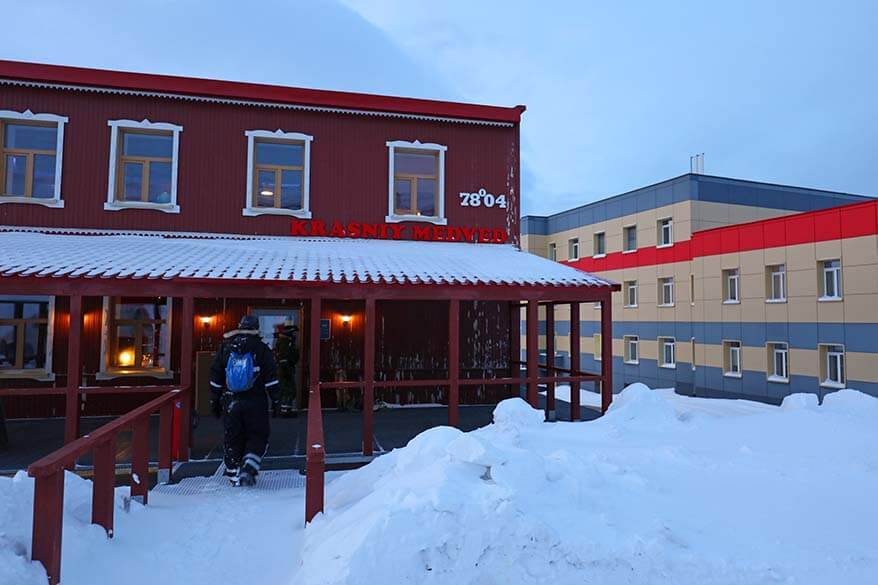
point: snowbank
(647, 494)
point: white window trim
(107, 372)
(727, 349)
(692, 348)
(772, 376)
(115, 125)
(823, 270)
(826, 382)
(732, 274)
(249, 210)
(625, 239)
(57, 201)
(552, 251)
(662, 293)
(626, 340)
(662, 342)
(439, 219)
(44, 374)
(570, 244)
(628, 287)
(783, 284)
(594, 239)
(670, 221)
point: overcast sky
(619, 94)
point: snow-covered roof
(166, 255)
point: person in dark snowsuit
(244, 411)
(287, 355)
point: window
(598, 348)
(600, 244)
(143, 166)
(553, 251)
(137, 335)
(731, 286)
(832, 371)
(779, 360)
(631, 293)
(417, 182)
(631, 353)
(831, 285)
(692, 350)
(26, 336)
(629, 238)
(732, 358)
(776, 284)
(667, 352)
(573, 249)
(665, 229)
(692, 289)
(666, 292)
(279, 171)
(30, 158)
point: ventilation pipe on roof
(696, 164)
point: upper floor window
(666, 292)
(631, 293)
(667, 352)
(665, 232)
(600, 245)
(553, 251)
(26, 336)
(137, 336)
(731, 286)
(779, 360)
(629, 238)
(630, 344)
(279, 175)
(417, 182)
(832, 365)
(573, 249)
(143, 165)
(776, 284)
(830, 287)
(30, 158)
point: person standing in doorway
(287, 354)
(243, 377)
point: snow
(660, 490)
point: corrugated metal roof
(211, 256)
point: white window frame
(780, 271)
(598, 352)
(661, 230)
(836, 278)
(57, 201)
(631, 285)
(278, 135)
(733, 348)
(664, 343)
(44, 374)
(629, 341)
(774, 349)
(603, 237)
(573, 246)
(692, 289)
(108, 372)
(666, 282)
(829, 356)
(692, 348)
(439, 219)
(552, 251)
(175, 130)
(625, 228)
(732, 276)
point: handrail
(315, 458)
(48, 472)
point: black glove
(216, 408)
(275, 408)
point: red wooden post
(166, 416)
(316, 452)
(48, 522)
(314, 345)
(532, 352)
(575, 362)
(102, 485)
(140, 460)
(515, 346)
(74, 370)
(369, 377)
(454, 362)
(186, 358)
(606, 351)
(550, 361)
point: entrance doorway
(271, 321)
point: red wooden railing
(48, 472)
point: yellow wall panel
(860, 251)
(802, 283)
(801, 257)
(862, 366)
(827, 250)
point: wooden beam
(532, 352)
(550, 361)
(369, 376)
(575, 364)
(186, 359)
(514, 346)
(454, 363)
(74, 370)
(606, 352)
(314, 345)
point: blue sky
(619, 94)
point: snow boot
(244, 479)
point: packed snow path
(654, 492)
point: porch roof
(35, 252)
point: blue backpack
(240, 372)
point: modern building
(729, 287)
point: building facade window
(573, 249)
(136, 336)
(598, 348)
(731, 286)
(631, 293)
(666, 291)
(632, 354)
(830, 288)
(629, 238)
(732, 359)
(832, 366)
(417, 182)
(31, 153)
(776, 284)
(667, 352)
(779, 360)
(553, 251)
(600, 245)
(692, 289)
(144, 158)
(692, 351)
(26, 327)
(279, 173)
(665, 229)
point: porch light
(125, 358)
(205, 320)
(346, 319)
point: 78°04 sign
(482, 198)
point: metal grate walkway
(271, 480)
